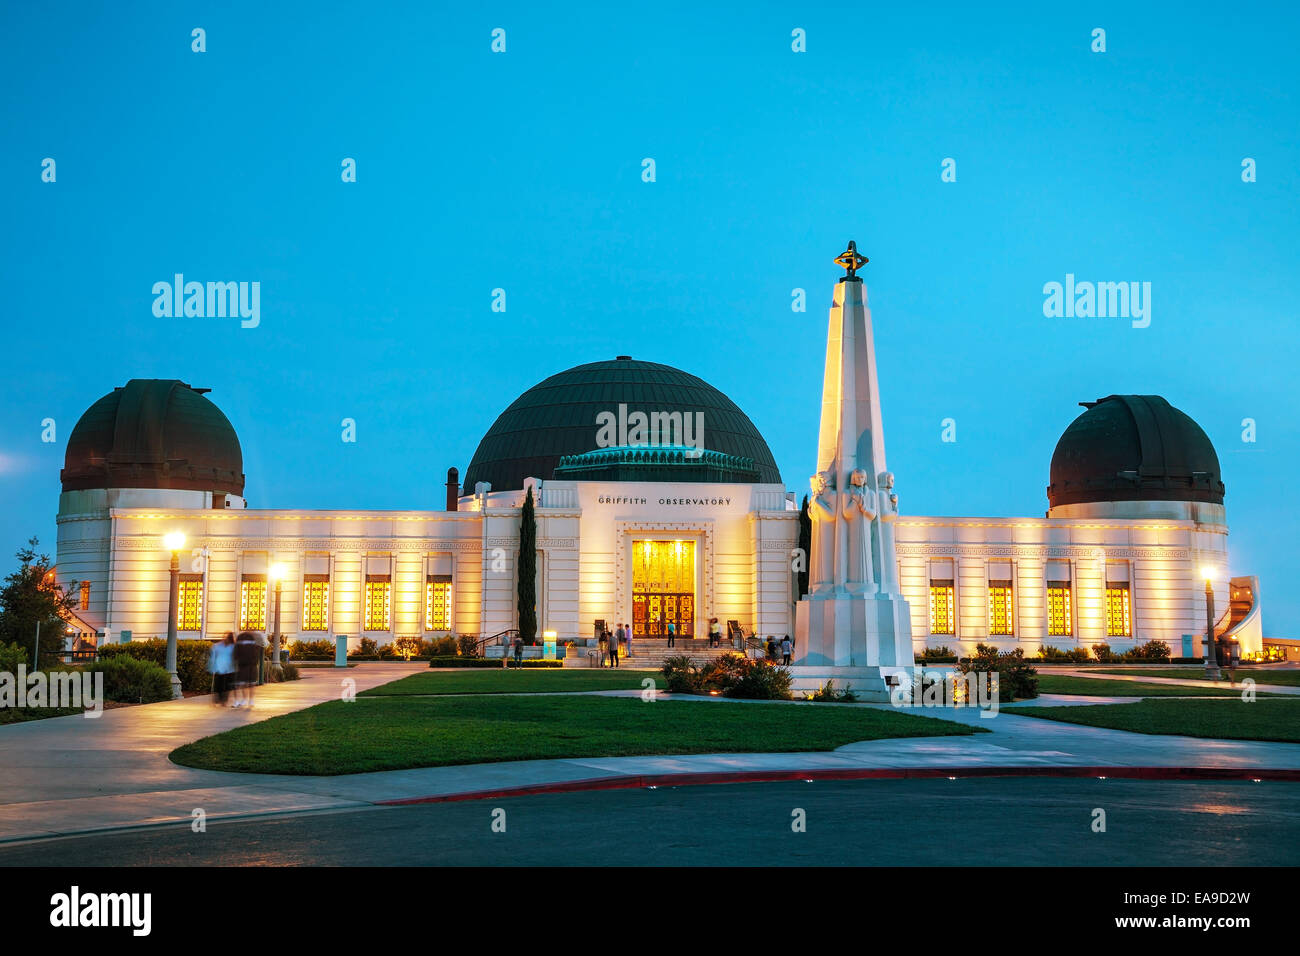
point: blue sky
(522, 171)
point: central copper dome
(557, 418)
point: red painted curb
(642, 781)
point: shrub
(1077, 655)
(191, 659)
(762, 681)
(942, 654)
(1102, 652)
(723, 673)
(467, 644)
(441, 647)
(366, 647)
(11, 655)
(287, 672)
(319, 650)
(407, 647)
(732, 675)
(1017, 678)
(680, 675)
(827, 694)
(1150, 651)
(133, 680)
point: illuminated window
(378, 594)
(85, 595)
(189, 614)
(1118, 611)
(437, 602)
(1059, 619)
(1000, 613)
(943, 616)
(1119, 602)
(315, 602)
(1060, 616)
(1001, 606)
(252, 603)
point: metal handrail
(484, 641)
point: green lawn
(1060, 684)
(520, 680)
(1274, 719)
(1284, 678)
(399, 733)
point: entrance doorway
(663, 588)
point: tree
(31, 595)
(528, 571)
(805, 544)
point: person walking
(247, 653)
(221, 663)
(771, 648)
(672, 634)
(519, 650)
(604, 647)
(715, 637)
(627, 634)
(785, 650)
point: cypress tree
(805, 544)
(528, 571)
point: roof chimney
(453, 489)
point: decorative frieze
(554, 544)
(278, 543)
(1089, 552)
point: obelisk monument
(853, 626)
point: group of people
(785, 647)
(233, 663)
(616, 644)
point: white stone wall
(584, 542)
(743, 535)
(1164, 556)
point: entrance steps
(651, 652)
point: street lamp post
(277, 572)
(174, 542)
(1211, 658)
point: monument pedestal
(859, 641)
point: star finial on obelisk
(850, 260)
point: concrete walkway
(72, 775)
(1258, 677)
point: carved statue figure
(888, 513)
(822, 509)
(860, 509)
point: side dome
(1134, 448)
(154, 433)
(557, 418)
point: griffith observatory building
(652, 533)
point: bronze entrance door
(663, 588)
